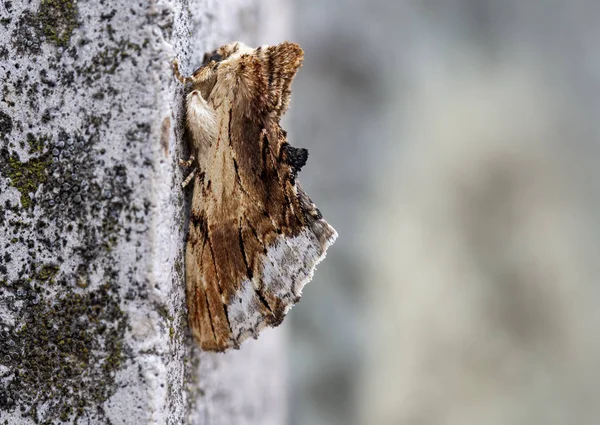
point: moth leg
(188, 163)
(188, 179)
(181, 78)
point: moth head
(262, 76)
(228, 51)
(205, 77)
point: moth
(255, 237)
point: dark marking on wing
(263, 301)
(294, 157)
(212, 326)
(243, 250)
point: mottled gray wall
(454, 147)
(93, 326)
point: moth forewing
(255, 236)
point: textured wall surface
(93, 328)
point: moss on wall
(65, 350)
(58, 19)
(26, 176)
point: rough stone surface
(93, 326)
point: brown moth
(255, 237)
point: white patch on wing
(243, 312)
(288, 265)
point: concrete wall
(93, 326)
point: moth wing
(255, 236)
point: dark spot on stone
(6, 124)
(108, 16)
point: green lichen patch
(58, 19)
(25, 176)
(47, 272)
(63, 354)
(54, 21)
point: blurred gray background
(454, 147)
